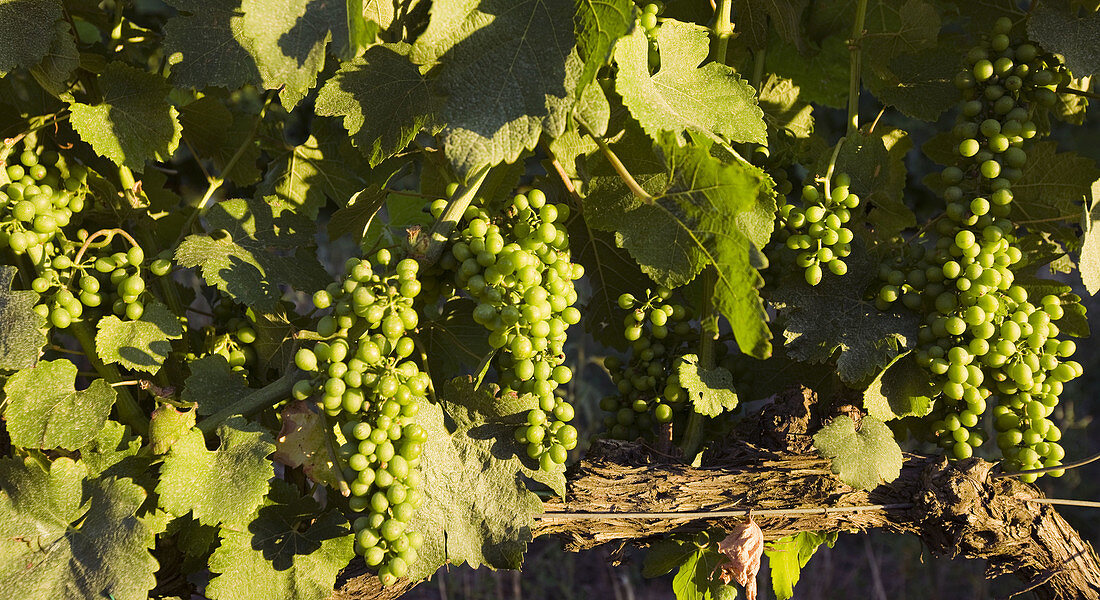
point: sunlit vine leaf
(863, 459)
(43, 409)
(218, 486)
(902, 389)
(134, 122)
(682, 96)
(291, 550)
(65, 537)
(167, 425)
(508, 70)
(1090, 244)
(710, 390)
(788, 556)
(141, 345)
(304, 441)
(599, 25)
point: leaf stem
(256, 401)
(832, 167)
(723, 29)
(345, 489)
(616, 164)
(428, 252)
(1076, 92)
(854, 46)
(129, 412)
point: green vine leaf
(27, 28)
(1074, 35)
(134, 123)
(114, 453)
(784, 108)
(167, 425)
(213, 385)
(21, 329)
(863, 459)
(711, 390)
(477, 508)
(66, 537)
(291, 550)
(215, 132)
(1047, 198)
(876, 164)
(819, 322)
(920, 84)
(508, 70)
(45, 410)
(682, 96)
(788, 556)
(383, 98)
(53, 72)
(453, 342)
(901, 390)
(599, 25)
(753, 18)
(611, 271)
(665, 555)
(704, 212)
(693, 579)
(218, 486)
(259, 42)
(821, 77)
(141, 345)
(1089, 264)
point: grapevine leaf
(309, 172)
(784, 109)
(141, 345)
(288, 551)
(819, 322)
(919, 84)
(357, 216)
(113, 453)
(267, 43)
(901, 390)
(665, 555)
(710, 390)
(876, 164)
(45, 410)
(508, 70)
(1046, 199)
(21, 337)
(787, 557)
(217, 486)
(366, 19)
(59, 62)
(405, 216)
(302, 442)
(383, 99)
(27, 28)
(167, 425)
(681, 96)
(704, 212)
(214, 132)
(134, 123)
(65, 537)
(453, 342)
(476, 508)
(895, 28)
(243, 264)
(820, 77)
(1089, 264)
(212, 385)
(693, 579)
(863, 459)
(599, 24)
(1077, 38)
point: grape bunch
(514, 262)
(365, 377)
(816, 231)
(982, 335)
(659, 332)
(234, 340)
(649, 25)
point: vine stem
(129, 412)
(448, 219)
(345, 489)
(832, 167)
(723, 29)
(109, 234)
(1076, 92)
(616, 164)
(693, 434)
(856, 65)
(256, 401)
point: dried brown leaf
(742, 549)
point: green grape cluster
(981, 335)
(515, 263)
(365, 377)
(232, 336)
(659, 332)
(649, 25)
(816, 231)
